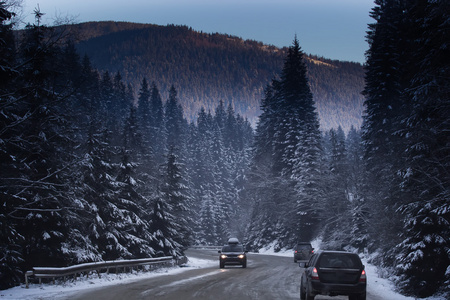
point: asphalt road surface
(265, 278)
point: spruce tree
(7, 49)
(174, 119)
(205, 181)
(158, 132)
(335, 210)
(144, 150)
(220, 115)
(385, 72)
(287, 155)
(424, 250)
(303, 141)
(405, 123)
(144, 114)
(134, 228)
(175, 194)
(163, 227)
(356, 177)
(10, 239)
(42, 151)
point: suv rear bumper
(301, 257)
(318, 287)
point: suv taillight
(363, 277)
(314, 274)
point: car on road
(303, 251)
(333, 273)
(233, 254)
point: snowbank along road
(266, 277)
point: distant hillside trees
(231, 70)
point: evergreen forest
(95, 167)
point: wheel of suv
(302, 292)
(308, 295)
(244, 265)
(222, 265)
(357, 297)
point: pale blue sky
(333, 29)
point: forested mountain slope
(207, 68)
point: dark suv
(303, 251)
(233, 254)
(333, 273)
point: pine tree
(264, 134)
(287, 155)
(145, 115)
(173, 119)
(407, 118)
(356, 177)
(176, 195)
(335, 212)
(384, 101)
(159, 133)
(225, 194)
(42, 151)
(10, 239)
(7, 49)
(220, 115)
(133, 228)
(304, 143)
(229, 131)
(98, 189)
(162, 227)
(424, 252)
(144, 150)
(259, 188)
(204, 181)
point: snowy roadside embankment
(376, 285)
(69, 288)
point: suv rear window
(303, 247)
(339, 260)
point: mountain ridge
(208, 67)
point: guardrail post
(28, 273)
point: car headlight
(241, 256)
(223, 256)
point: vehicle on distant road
(333, 273)
(233, 254)
(303, 251)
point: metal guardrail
(206, 247)
(49, 272)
